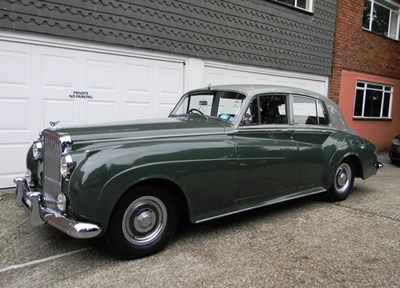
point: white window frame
(383, 90)
(392, 11)
(309, 5)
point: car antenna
(209, 86)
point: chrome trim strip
(155, 137)
(39, 215)
(266, 203)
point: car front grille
(52, 150)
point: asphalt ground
(307, 242)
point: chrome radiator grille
(52, 150)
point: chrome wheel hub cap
(343, 178)
(144, 220)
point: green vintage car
(222, 150)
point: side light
(62, 202)
(66, 165)
(37, 150)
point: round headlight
(66, 165)
(37, 150)
(62, 202)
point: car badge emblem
(53, 124)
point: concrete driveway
(305, 243)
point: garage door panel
(170, 88)
(58, 71)
(136, 110)
(215, 77)
(170, 80)
(101, 111)
(59, 110)
(137, 78)
(11, 156)
(165, 109)
(15, 65)
(101, 75)
(14, 114)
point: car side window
(309, 111)
(267, 109)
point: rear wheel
(342, 182)
(143, 222)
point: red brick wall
(359, 50)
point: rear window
(309, 111)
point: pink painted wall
(379, 132)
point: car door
(311, 130)
(266, 151)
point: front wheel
(143, 222)
(342, 182)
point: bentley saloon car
(222, 150)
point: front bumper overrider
(32, 201)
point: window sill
(380, 35)
(371, 118)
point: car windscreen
(222, 104)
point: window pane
(273, 109)
(380, 20)
(302, 4)
(374, 86)
(386, 104)
(373, 103)
(201, 103)
(229, 105)
(358, 103)
(304, 110)
(393, 25)
(367, 13)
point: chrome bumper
(38, 214)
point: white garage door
(235, 74)
(40, 83)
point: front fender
(119, 184)
(99, 170)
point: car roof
(253, 89)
